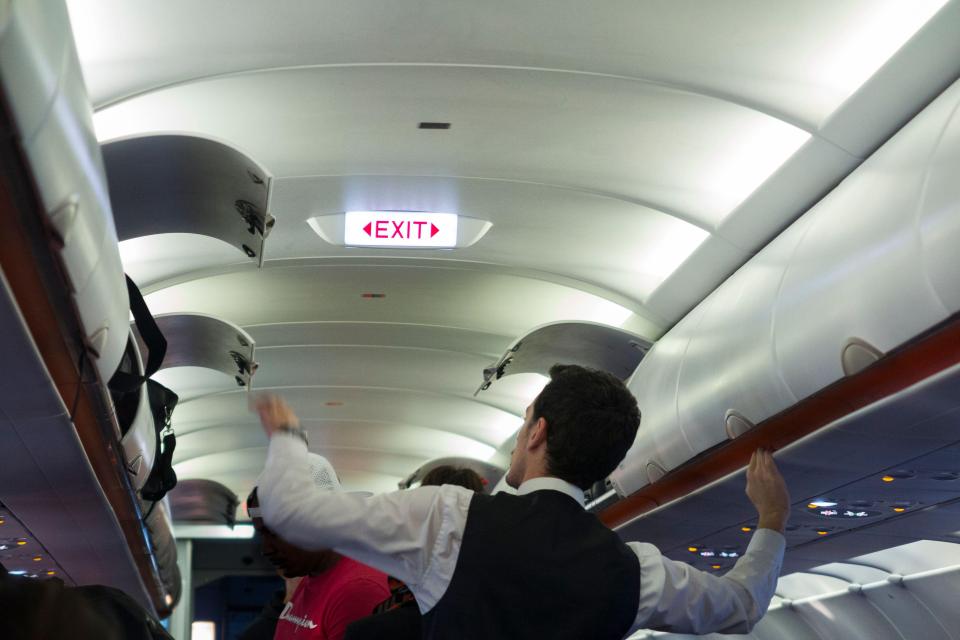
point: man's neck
(533, 476)
(326, 564)
(534, 471)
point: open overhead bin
(186, 184)
(197, 340)
(200, 501)
(587, 344)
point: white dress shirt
(415, 536)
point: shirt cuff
(767, 540)
(285, 445)
(286, 434)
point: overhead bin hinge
(251, 215)
(495, 372)
(245, 367)
(169, 183)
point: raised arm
(407, 534)
(677, 597)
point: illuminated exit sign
(400, 229)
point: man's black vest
(537, 566)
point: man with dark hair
(593, 421)
(449, 474)
(535, 564)
(333, 590)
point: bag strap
(125, 381)
(162, 477)
(149, 331)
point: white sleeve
(677, 597)
(413, 535)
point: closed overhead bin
(870, 267)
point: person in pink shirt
(334, 590)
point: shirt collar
(554, 484)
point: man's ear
(537, 435)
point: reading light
(51, 573)
(693, 549)
(816, 504)
(888, 478)
(715, 566)
(37, 558)
(746, 529)
(899, 509)
(20, 543)
(822, 532)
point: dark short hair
(592, 420)
(448, 474)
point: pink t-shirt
(323, 605)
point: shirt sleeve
(676, 597)
(353, 601)
(412, 535)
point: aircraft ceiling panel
(380, 334)
(337, 433)
(238, 470)
(430, 370)
(157, 258)
(678, 151)
(455, 414)
(535, 226)
(783, 58)
(445, 294)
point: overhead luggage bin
(587, 344)
(186, 184)
(197, 340)
(160, 525)
(200, 501)
(138, 429)
(41, 77)
(870, 267)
